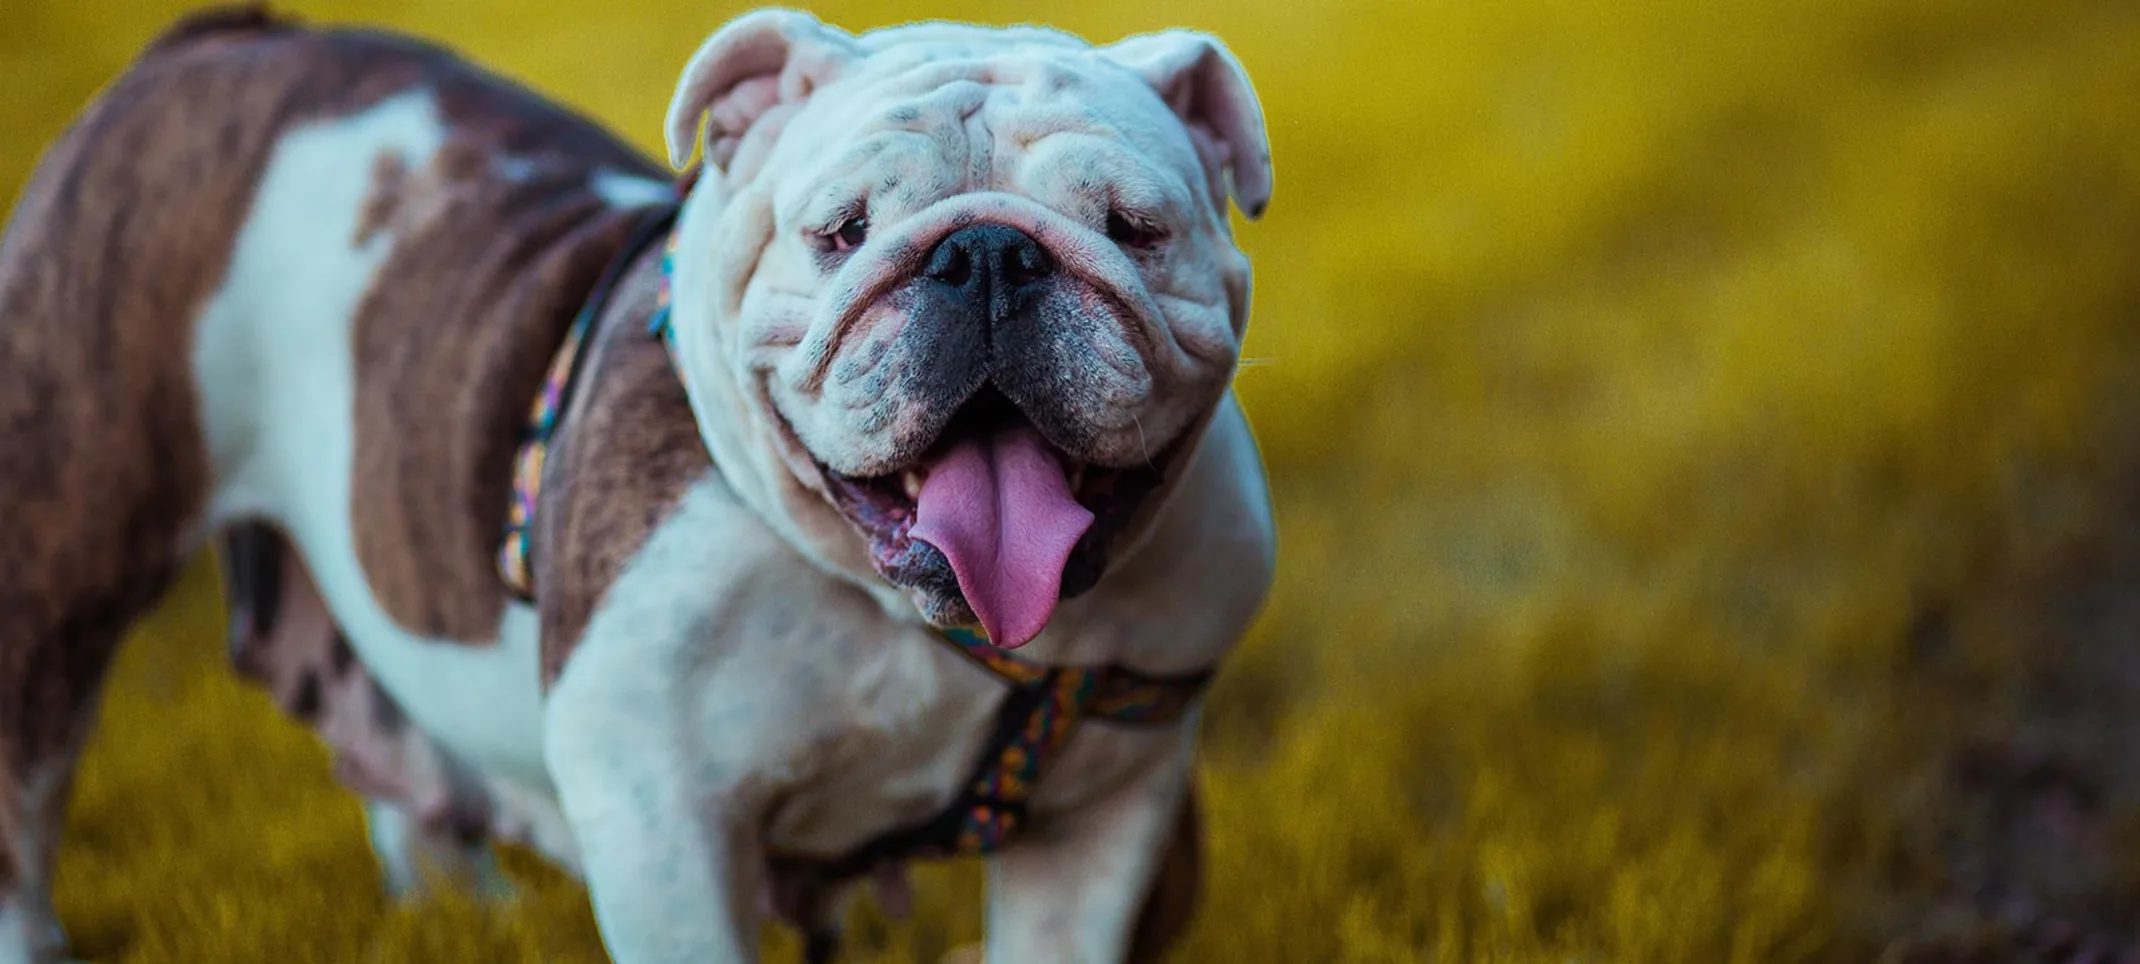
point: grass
(1703, 439)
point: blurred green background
(1707, 469)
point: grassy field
(1705, 442)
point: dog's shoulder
(629, 451)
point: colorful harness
(1045, 704)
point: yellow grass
(1639, 382)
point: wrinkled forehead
(964, 39)
(1019, 84)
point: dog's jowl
(871, 492)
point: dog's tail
(227, 21)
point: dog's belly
(274, 367)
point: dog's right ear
(760, 61)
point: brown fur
(628, 449)
(106, 469)
(383, 207)
(235, 20)
(284, 639)
(487, 271)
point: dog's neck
(620, 455)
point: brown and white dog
(955, 316)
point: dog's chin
(883, 510)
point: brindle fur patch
(628, 448)
(306, 666)
(383, 205)
(106, 261)
(496, 244)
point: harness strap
(516, 554)
(1036, 719)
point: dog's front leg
(662, 830)
(1074, 891)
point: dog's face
(956, 300)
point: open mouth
(993, 524)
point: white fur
(30, 932)
(409, 855)
(626, 191)
(723, 667)
(390, 828)
(276, 378)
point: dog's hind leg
(429, 816)
(83, 558)
(114, 246)
(103, 480)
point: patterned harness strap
(516, 562)
(1038, 716)
(1036, 720)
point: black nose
(991, 267)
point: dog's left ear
(1207, 88)
(760, 61)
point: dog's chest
(845, 723)
(922, 734)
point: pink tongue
(999, 508)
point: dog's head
(952, 302)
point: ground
(1708, 473)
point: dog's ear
(760, 61)
(1207, 88)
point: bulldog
(872, 492)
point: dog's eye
(850, 234)
(1130, 232)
